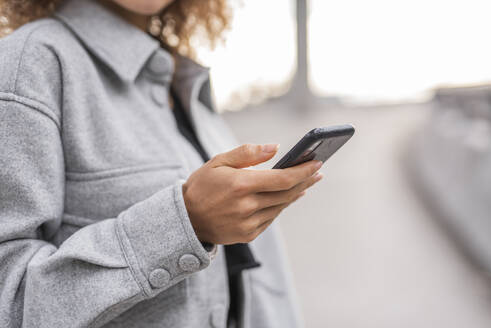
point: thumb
(245, 155)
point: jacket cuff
(159, 241)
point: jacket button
(189, 263)
(218, 316)
(159, 278)
(161, 63)
(159, 94)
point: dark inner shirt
(239, 256)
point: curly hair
(178, 27)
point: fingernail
(302, 194)
(270, 148)
(318, 165)
(318, 176)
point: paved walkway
(364, 251)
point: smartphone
(318, 144)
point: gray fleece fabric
(93, 227)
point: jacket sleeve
(102, 269)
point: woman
(108, 216)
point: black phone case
(318, 144)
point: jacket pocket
(105, 194)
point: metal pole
(299, 94)
(301, 76)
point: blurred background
(399, 232)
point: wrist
(211, 248)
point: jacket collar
(125, 49)
(121, 46)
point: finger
(280, 179)
(252, 203)
(266, 223)
(270, 213)
(245, 156)
(268, 199)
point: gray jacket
(93, 227)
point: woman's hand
(229, 205)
